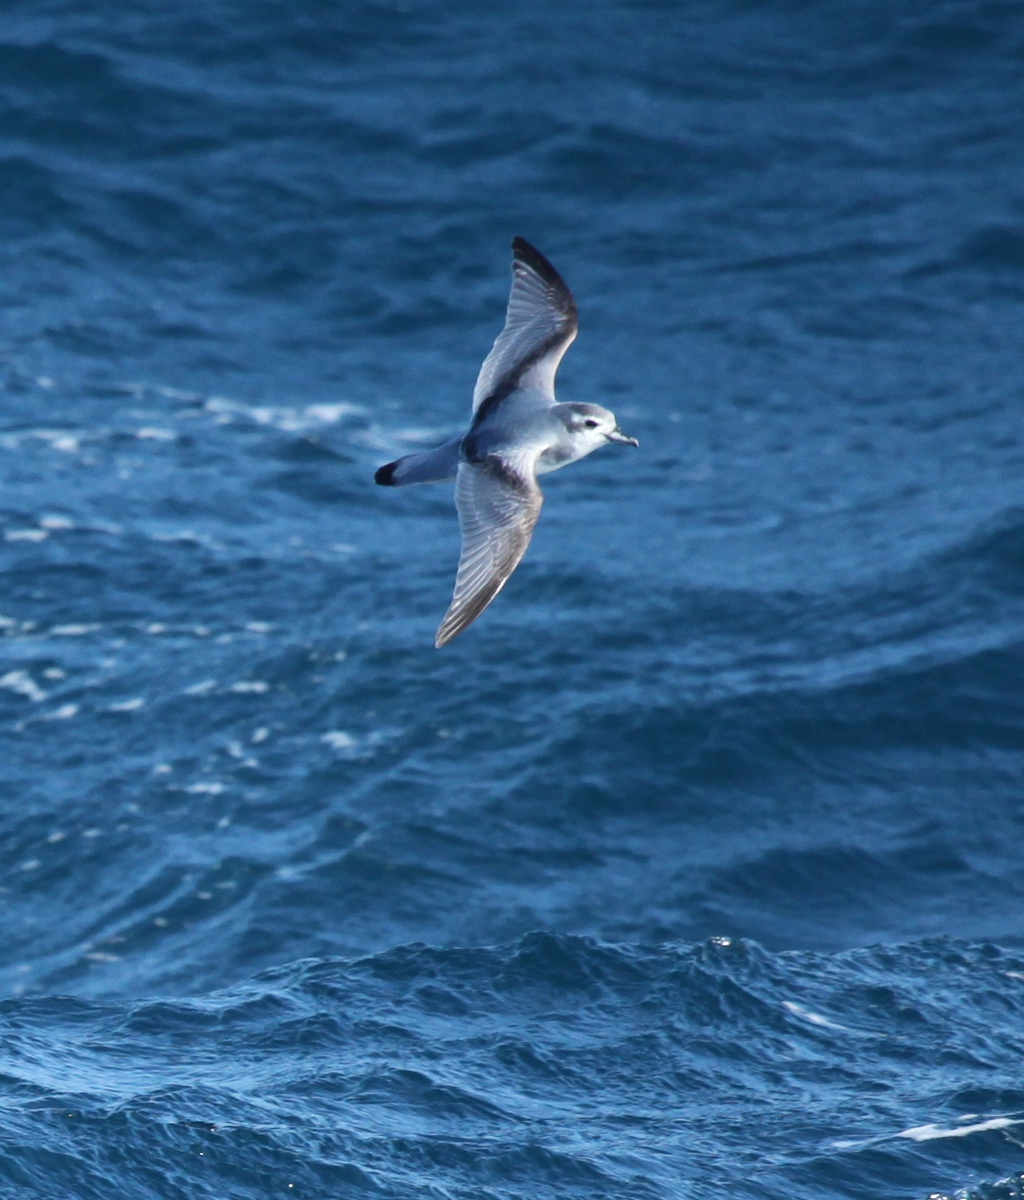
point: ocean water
(694, 868)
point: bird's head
(590, 423)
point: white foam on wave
(203, 688)
(813, 1018)
(968, 1124)
(64, 713)
(287, 418)
(928, 1133)
(22, 684)
(57, 439)
(25, 535)
(338, 739)
(388, 440)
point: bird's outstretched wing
(540, 326)
(498, 507)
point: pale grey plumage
(540, 325)
(431, 466)
(518, 432)
(497, 513)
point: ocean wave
(782, 765)
(551, 1064)
(637, 888)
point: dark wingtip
(523, 252)
(385, 475)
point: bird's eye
(591, 424)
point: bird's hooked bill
(617, 435)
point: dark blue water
(694, 868)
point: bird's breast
(554, 457)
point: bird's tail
(431, 466)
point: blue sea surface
(694, 868)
